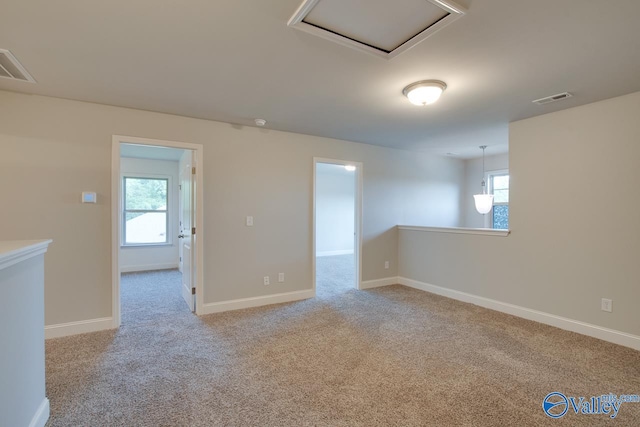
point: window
(145, 216)
(499, 187)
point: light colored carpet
(391, 356)
(334, 275)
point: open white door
(187, 227)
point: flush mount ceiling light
(424, 92)
(260, 122)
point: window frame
(124, 211)
(488, 179)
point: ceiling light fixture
(484, 201)
(424, 92)
(260, 122)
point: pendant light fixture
(484, 201)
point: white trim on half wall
(41, 416)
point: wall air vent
(10, 68)
(553, 98)
(382, 28)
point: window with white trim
(499, 187)
(145, 216)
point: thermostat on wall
(88, 197)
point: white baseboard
(605, 334)
(379, 282)
(148, 267)
(217, 307)
(331, 253)
(81, 327)
(41, 416)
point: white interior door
(187, 228)
(180, 212)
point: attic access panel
(10, 68)
(382, 28)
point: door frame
(357, 247)
(116, 208)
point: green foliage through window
(145, 193)
(145, 210)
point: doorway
(337, 230)
(155, 216)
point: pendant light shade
(484, 201)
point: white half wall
(145, 258)
(335, 209)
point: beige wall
(574, 220)
(51, 150)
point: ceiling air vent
(10, 68)
(552, 98)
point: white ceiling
(235, 60)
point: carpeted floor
(335, 275)
(391, 356)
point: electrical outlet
(386, 265)
(281, 277)
(266, 280)
(249, 221)
(606, 305)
